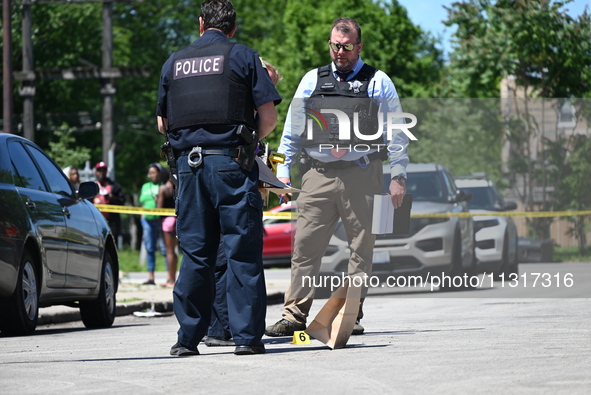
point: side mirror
(88, 190)
(467, 196)
(510, 205)
(461, 196)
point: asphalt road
(495, 339)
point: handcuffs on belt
(244, 154)
(195, 153)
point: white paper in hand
(383, 215)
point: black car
(55, 246)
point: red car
(278, 236)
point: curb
(128, 309)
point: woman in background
(151, 223)
(166, 199)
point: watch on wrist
(399, 179)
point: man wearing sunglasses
(344, 171)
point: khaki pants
(326, 197)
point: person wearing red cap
(110, 192)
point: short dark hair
(346, 25)
(218, 14)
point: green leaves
(532, 40)
(290, 34)
(540, 52)
(65, 152)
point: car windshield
(424, 186)
(483, 198)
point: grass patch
(130, 300)
(129, 261)
(571, 254)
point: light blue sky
(429, 14)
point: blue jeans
(152, 237)
(219, 198)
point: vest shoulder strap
(324, 71)
(366, 73)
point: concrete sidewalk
(133, 296)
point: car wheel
(508, 266)
(473, 268)
(514, 264)
(100, 313)
(21, 311)
(456, 269)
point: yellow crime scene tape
(167, 212)
(111, 208)
(536, 214)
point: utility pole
(28, 76)
(7, 66)
(27, 90)
(107, 88)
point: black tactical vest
(205, 91)
(352, 98)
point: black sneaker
(283, 327)
(182, 350)
(357, 329)
(212, 341)
(250, 349)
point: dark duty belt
(196, 154)
(344, 164)
(231, 152)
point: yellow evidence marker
(300, 337)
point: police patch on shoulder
(328, 86)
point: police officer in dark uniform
(208, 94)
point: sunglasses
(347, 47)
